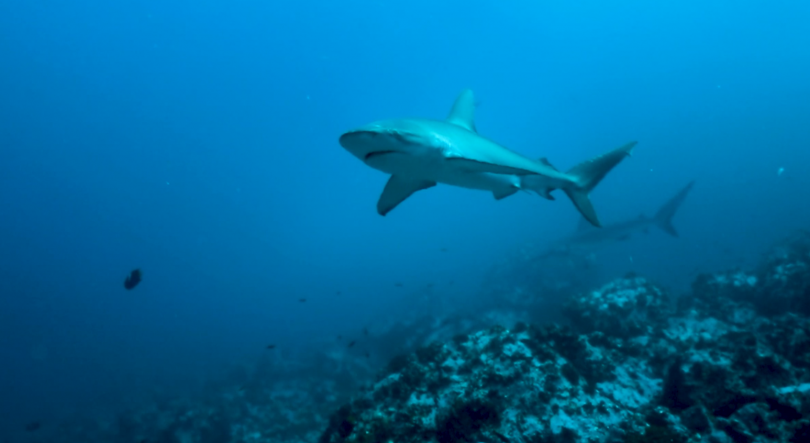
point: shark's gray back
(465, 144)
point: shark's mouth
(376, 154)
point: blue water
(198, 142)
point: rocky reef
(727, 363)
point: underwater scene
(386, 221)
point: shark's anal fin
(505, 192)
(397, 190)
(546, 193)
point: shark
(418, 153)
(586, 238)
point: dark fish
(340, 337)
(351, 343)
(444, 249)
(133, 279)
(31, 427)
(368, 355)
(365, 332)
(302, 300)
(271, 346)
(399, 285)
(338, 293)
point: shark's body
(419, 153)
(586, 238)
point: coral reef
(728, 363)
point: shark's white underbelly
(440, 170)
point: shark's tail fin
(588, 174)
(663, 218)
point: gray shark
(586, 237)
(418, 153)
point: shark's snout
(379, 138)
(356, 137)
(360, 142)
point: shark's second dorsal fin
(545, 161)
(463, 112)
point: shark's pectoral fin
(472, 165)
(397, 190)
(504, 192)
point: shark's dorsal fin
(463, 112)
(545, 161)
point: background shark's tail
(588, 174)
(663, 218)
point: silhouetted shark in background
(586, 237)
(418, 153)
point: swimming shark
(587, 238)
(419, 153)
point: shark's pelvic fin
(463, 112)
(397, 190)
(588, 174)
(663, 218)
(505, 192)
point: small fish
(33, 426)
(443, 249)
(365, 332)
(302, 300)
(133, 279)
(351, 343)
(271, 346)
(367, 355)
(338, 292)
(399, 285)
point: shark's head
(402, 136)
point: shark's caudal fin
(663, 218)
(588, 174)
